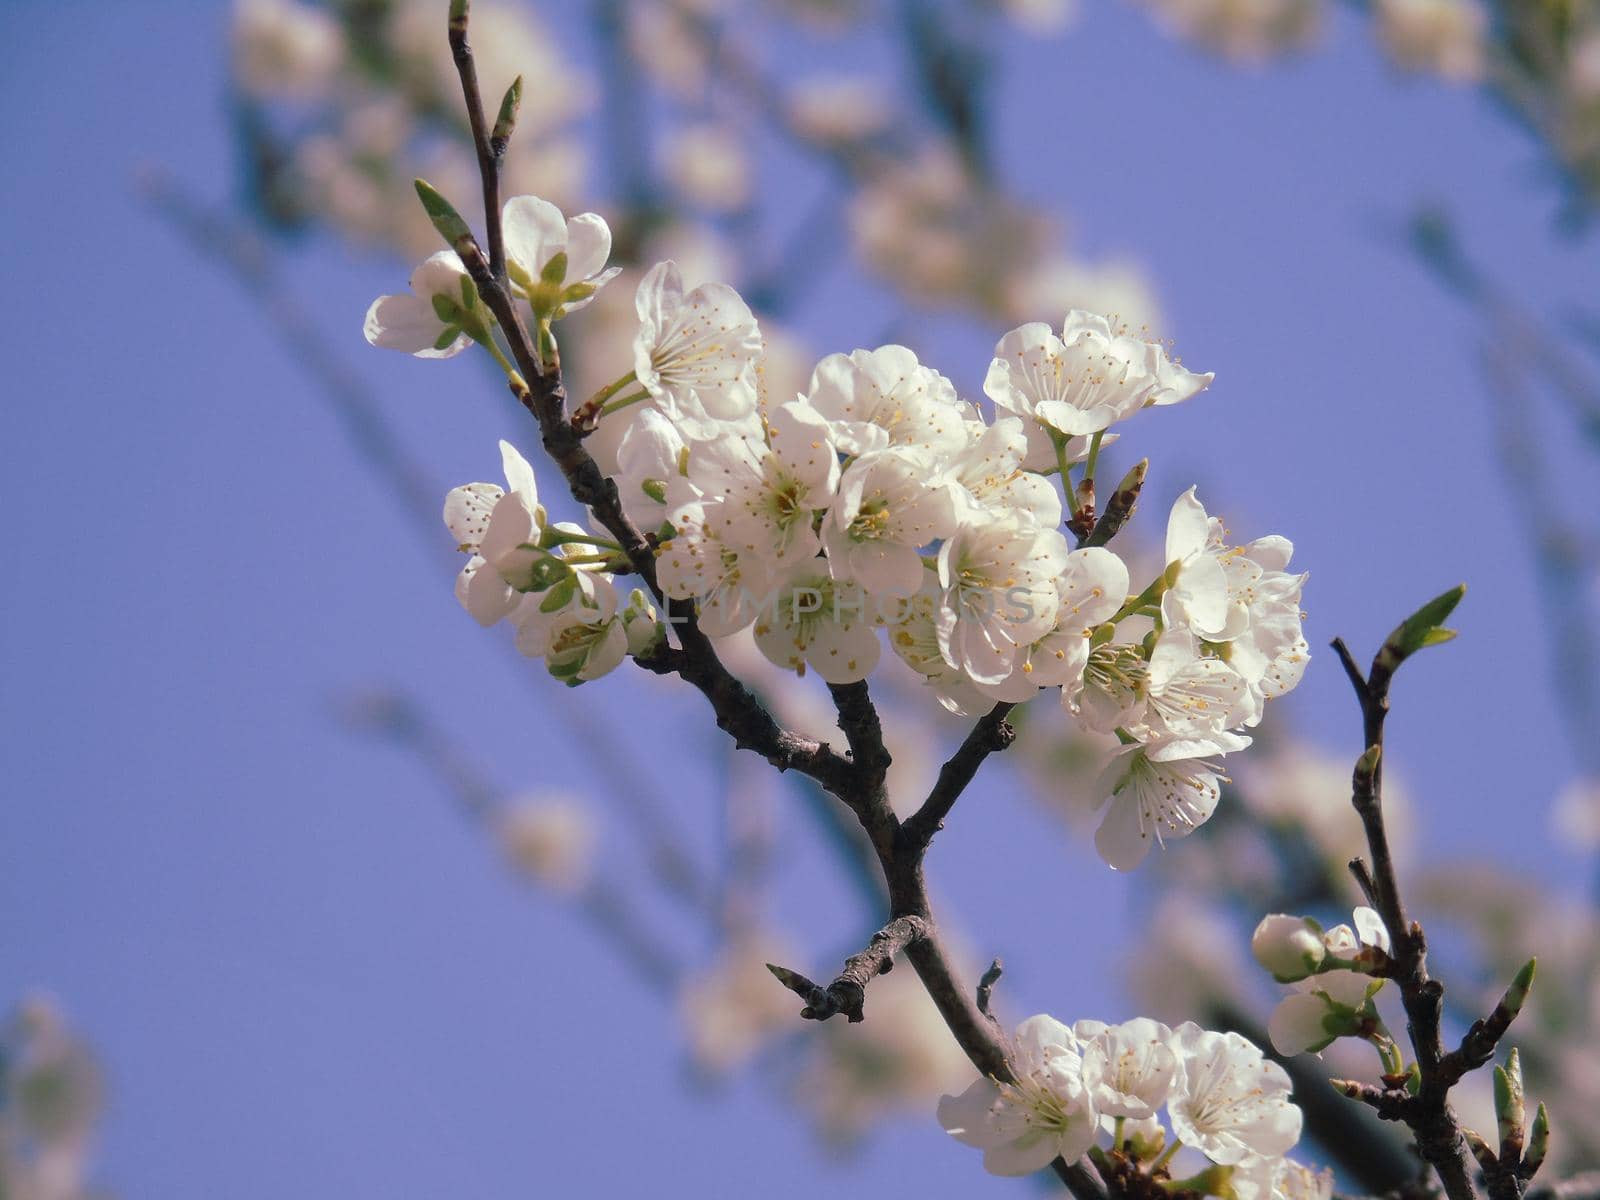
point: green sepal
(555, 271)
(447, 337)
(559, 595)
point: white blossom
(1047, 1112)
(884, 397)
(990, 471)
(557, 263)
(1332, 1003)
(1289, 947)
(648, 468)
(426, 323)
(1129, 1068)
(1087, 379)
(761, 497)
(1000, 591)
(891, 503)
(1280, 1179)
(1089, 590)
(1229, 1101)
(812, 620)
(1157, 792)
(696, 353)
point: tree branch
(848, 991)
(1428, 1113)
(992, 732)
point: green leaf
(1420, 630)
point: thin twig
(848, 991)
(1428, 1113)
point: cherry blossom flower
(990, 471)
(879, 398)
(648, 465)
(812, 620)
(430, 322)
(1000, 591)
(556, 263)
(1048, 1112)
(1331, 1003)
(1229, 1102)
(891, 503)
(696, 353)
(1280, 1179)
(588, 638)
(1090, 589)
(1129, 1068)
(1157, 792)
(762, 497)
(1086, 380)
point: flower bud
(1289, 947)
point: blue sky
(306, 974)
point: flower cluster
(1103, 1088)
(879, 503)
(1335, 975)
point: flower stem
(1116, 1133)
(610, 390)
(1093, 460)
(493, 347)
(553, 537)
(618, 405)
(1062, 465)
(1166, 1155)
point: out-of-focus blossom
(709, 167)
(733, 1008)
(285, 50)
(1442, 37)
(1576, 814)
(1041, 16)
(895, 1063)
(51, 1095)
(839, 109)
(1242, 29)
(549, 838)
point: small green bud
(1487, 1159)
(1538, 1143)
(1290, 948)
(1517, 994)
(1102, 635)
(506, 121)
(442, 213)
(656, 489)
(1508, 1103)
(1147, 1144)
